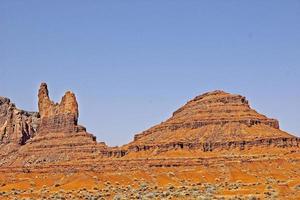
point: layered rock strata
(214, 120)
(58, 117)
(58, 137)
(16, 125)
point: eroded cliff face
(58, 117)
(215, 138)
(59, 138)
(214, 120)
(50, 136)
(16, 126)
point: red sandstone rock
(209, 121)
(58, 137)
(215, 121)
(48, 108)
(16, 126)
(62, 117)
(214, 135)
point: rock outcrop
(16, 126)
(215, 138)
(58, 117)
(58, 137)
(214, 120)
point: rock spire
(58, 117)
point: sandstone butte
(214, 147)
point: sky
(132, 63)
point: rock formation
(16, 126)
(62, 117)
(58, 137)
(216, 144)
(214, 120)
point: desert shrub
(118, 197)
(144, 185)
(253, 198)
(95, 188)
(297, 187)
(171, 187)
(171, 174)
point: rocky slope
(57, 135)
(214, 120)
(16, 126)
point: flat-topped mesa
(58, 117)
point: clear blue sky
(132, 63)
